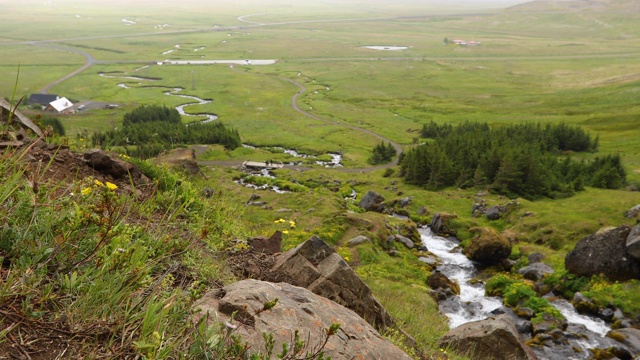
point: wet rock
(583, 304)
(440, 224)
(493, 338)
(524, 312)
(492, 213)
(633, 242)
(297, 309)
(488, 246)
(548, 323)
(372, 201)
(606, 314)
(438, 280)
(361, 239)
(629, 337)
(316, 266)
(422, 248)
(536, 271)
(604, 252)
(271, 245)
(524, 327)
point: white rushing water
(472, 304)
(595, 325)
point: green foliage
(148, 130)
(625, 295)
(382, 154)
(566, 283)
(55, 123)
(516, 160)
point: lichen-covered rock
(604, 252)
(297, 309)
(438, 280)
(488, 246)
(493, 338)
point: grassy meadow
(560, 63)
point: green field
(546, 62)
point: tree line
(516, 160)
(148, 130)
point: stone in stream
(438, 280)
(488, 246)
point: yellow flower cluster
(98, 183)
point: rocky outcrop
(109, 165)
(372, 201)
(314, 265)
(630, 337)
(297, 309)
(604, 252)
(493, 338)
(488, 246)
(633, 242)
(267, 245)
(440, 224)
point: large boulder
(314, 265)
(488, 246)
(440, 224)
(372, 201)
(633, 242)
(604, 252)
(494, 338)
(297, 309)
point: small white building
(60, 106)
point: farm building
(42, 99)
(60, 106)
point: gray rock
(604, 252)
(296, 309)
(440, 223)
(253, 197)
(423, 211)
(536, 271)
(438, 280)
(405, 202)
(255, 203)
(315, 266)
(401, 239)
(535, 257)
(284, 210)
(629, 337)
(633, 212)
(493, 213)
(372, 201)
(633, 242)
(606, 314)
(361, 239)
(493, 338)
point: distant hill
(622, 6)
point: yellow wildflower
(292, 224)
(86, 191)
(98, 182)
(125, 156)
(285, 231)
(111, 186)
